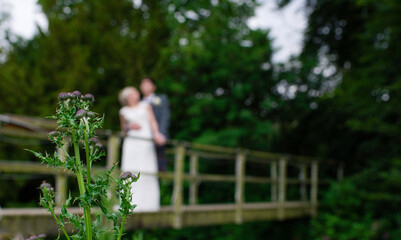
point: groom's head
(148, 86)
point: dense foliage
(359, 122)
(202, 54)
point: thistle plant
(78, 124)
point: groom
(161, 109)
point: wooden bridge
(284, 175)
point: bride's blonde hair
(122, 96)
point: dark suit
(161, 109)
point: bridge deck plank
(38, 220)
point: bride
(138, 155)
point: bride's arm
(159, 138)
(123, 124)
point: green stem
(124, 219)
(120, 233)
(88, 221)
(66, 104)
(58, 222)
(81, 186)
(88, 162)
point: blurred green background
(337, 99)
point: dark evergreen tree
(359, 121)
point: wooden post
(61, 189)
(340, 172)
(61, 178)
(273, 176)
(193, 188)
(314, 187)
(178, 185)
(282, 185)
(302, 178)
(113, 147)
(239, 185)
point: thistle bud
(88, 97)
(93, 141)
(42, 235)
(70, 95)
(126, 175)
(80, 113)
(54, 134)
(90, 114)
(47, 186)
(77, 94)
(63, 96)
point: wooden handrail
(204, 154)
(211, 151)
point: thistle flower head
(70, 95)
(98, 145)
(40, 236)
(80, 113)
(47, 186)
(88, 97)
(126, 175)
(63, 96)
(76, 94)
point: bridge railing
(188, 155)
(278, 178)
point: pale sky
(287, 25)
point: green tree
(359, 121)
(202, 53)
(220, 75)
(361, 40)
(96, 46)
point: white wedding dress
(139, 155)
